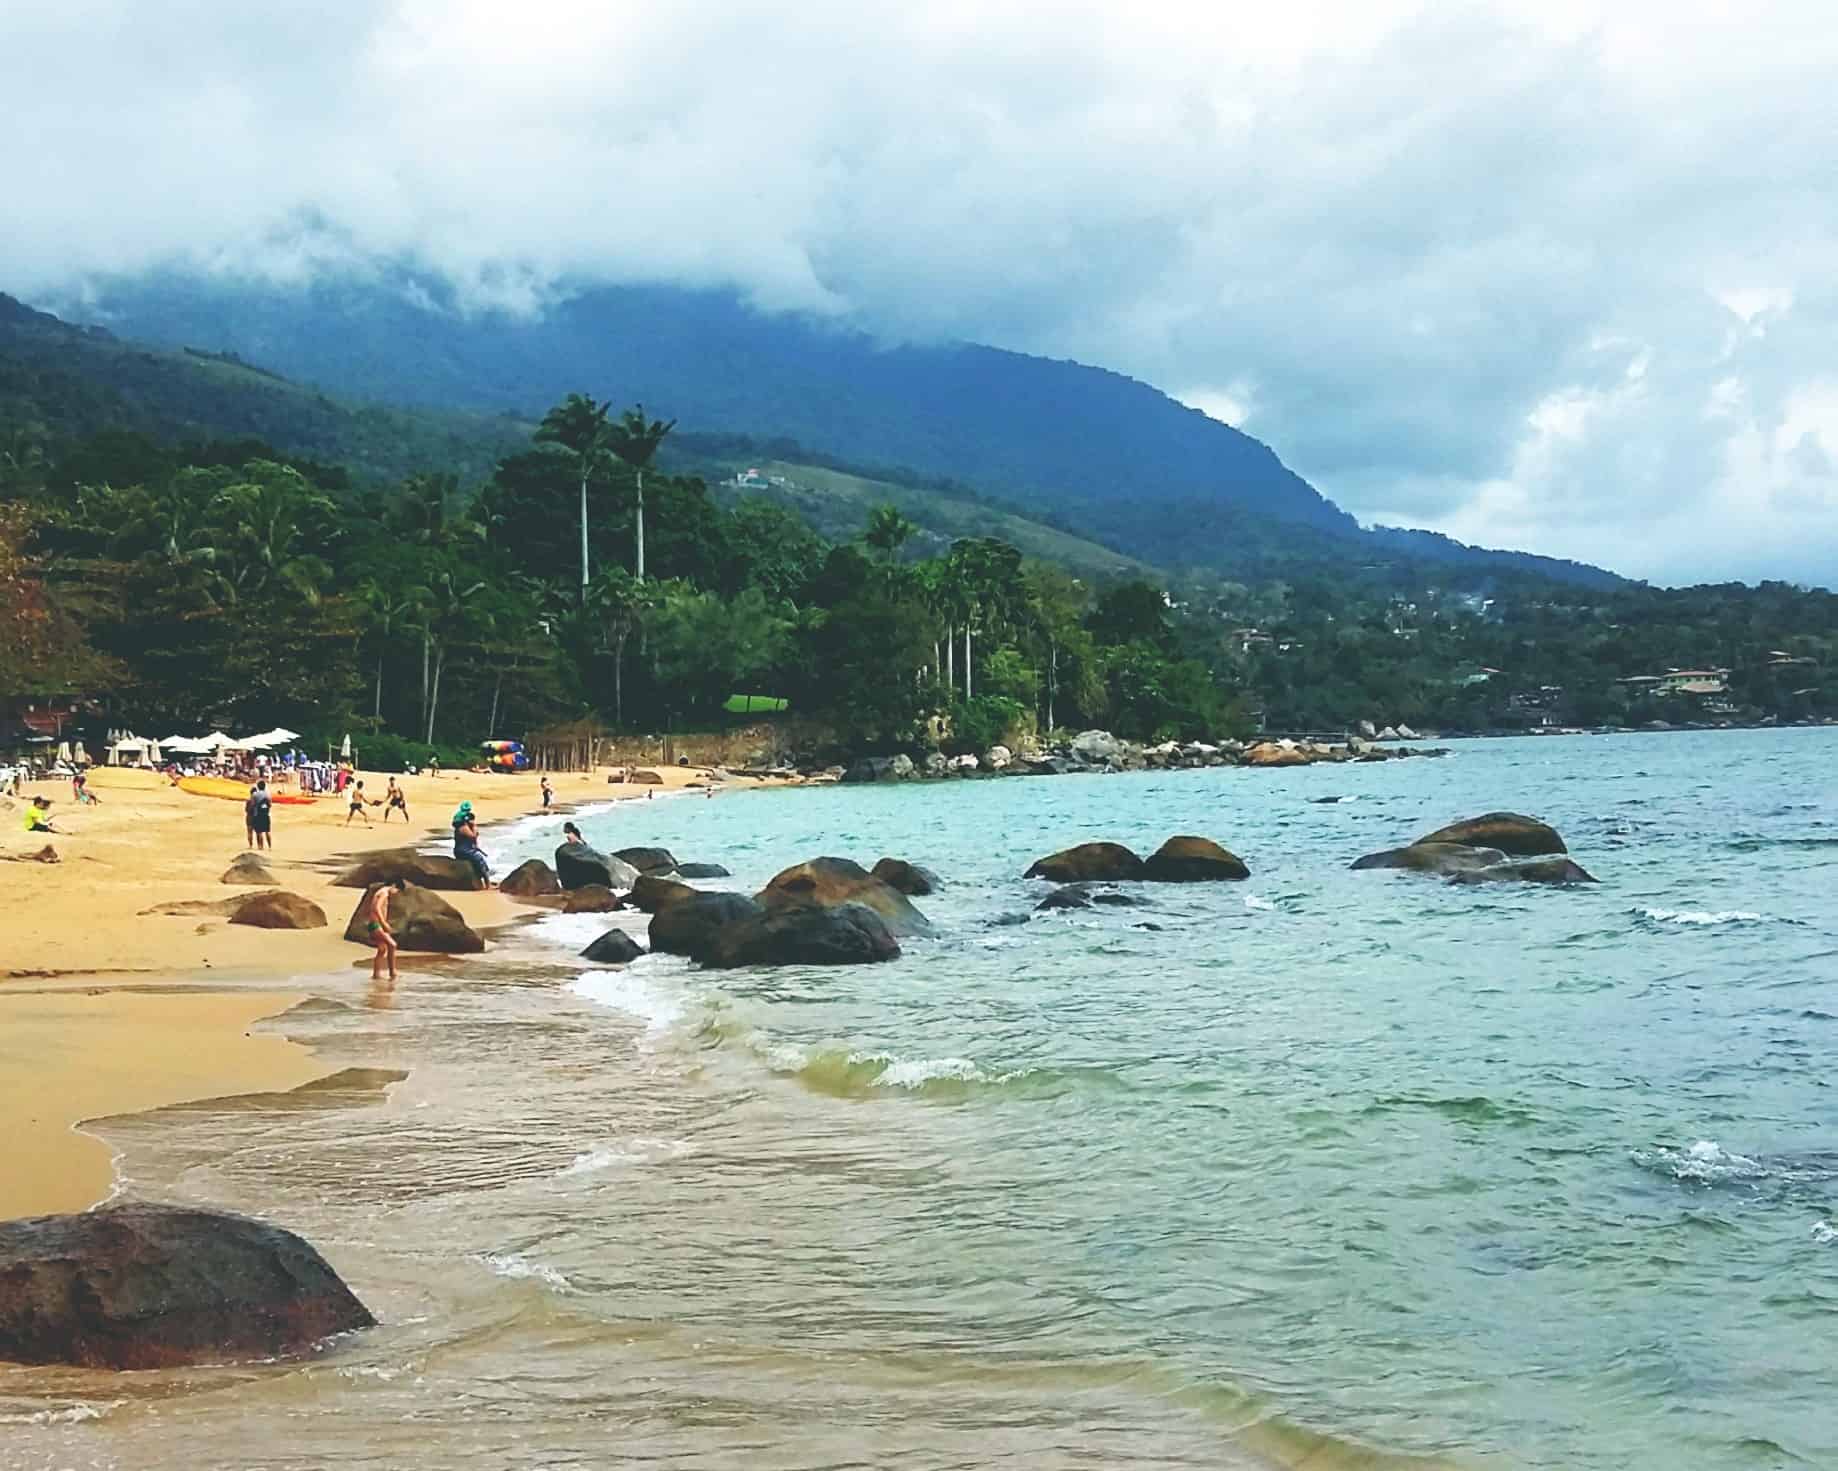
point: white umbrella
(282, 735)
(80, 754)
(154, 756)
(63, 752)
(257, 742)
(215, 741)
(344, 750)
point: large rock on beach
(1187, 860)
(908, 878)
(276, 909)
(615, 947)
(1548, 870)
(591, 899)
(531, 879)
(653, 894)
(648, 860)
(424, 870)
(694, 924)
(1512, 834)
(156, 1287)
(806, 934)
(879, 768)
(1108, 861)
(826, 882)
(1274, 753)
(421, 920)
(579, 864)
(250, 869)
(1436, 858)
(1098, 747)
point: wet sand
(105, 1009)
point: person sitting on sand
(357, 806)
(466, 843)
(394, 801)
(258, 814)
(38, 816)
(377, 930)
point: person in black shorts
(258, 817)
(548, 794)
(357, 806)
(394, 801)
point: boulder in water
(421, 920)
(807, 934)
(580, 864)
(693, 925)
(1512, 834)
(591, 899)
(879, 768)
(652, 893)
(1187, 860)
(615, 947)
(654, 861)
(1548, 870)
(826, 882)
(1109, 861)
(1084, 895)
(155, 1286)
(1437, 858)
(908, 878)
(530, 879)
(701, 871)
(248, 868)
(424, 870)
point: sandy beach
(106, 1009)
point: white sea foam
(75, 1414)
(632, 1152)
(917, 1072)
(1824, 1233)
(575, 932)
(1702, 916)
(1253, 901)
(1705, 1162)
(658, 1006)
(517, 1266)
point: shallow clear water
(1251, 1173)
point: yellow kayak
(235, 791)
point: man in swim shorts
(394, 801)
(357, 806)
(377, 930)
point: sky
(1556, 276)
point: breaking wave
(519, 1267)
(1702, 916)
(1705, 1162)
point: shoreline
(106, 1009)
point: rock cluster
(1179, 860)
(1497, 847)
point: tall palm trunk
(968, 694)
(491, 726)
(641, 525)
(426, 639)
(440, 661)
(376, 712)
(583, 528)
(951, 658)
(1052, 680)
(619, 679)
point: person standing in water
(377, 930)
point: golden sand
(105, 1009)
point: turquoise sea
(1325, 1168)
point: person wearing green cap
(466, 843)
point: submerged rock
(701, 871)
(579, 864)
(424, 870)
(1110, 861)
(648, 860)
(1561, 871)
(693, 924)
(908, 878)
(615, 947)
(827, 882)
(1427, 857)
(155, 1286)
(1187, 860)
(1084, 896)
(1511, 833)
(806, 934)
(530, 879)
(421, 920)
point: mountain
(1089, 450)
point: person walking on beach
(377, 930)
(258, 817)
(394, 801)
(548, 794)
(357, 806)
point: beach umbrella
(63, 752)
(215, 741)
(79, 753)
(282, 735)
(154, 757)
(344, 750)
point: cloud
(1552, 275)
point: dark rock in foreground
(530, 879)
(276, 909)
(1512, 834)
(1083, 896)
(908, 878)
(1562, 871)
(421, 920)
(692, 925)
(424, 870)
(648, 860)
(652, 893)
(825, 882)
(806, 934)
(248, 868)
(615, 947)
(1106, 861)
(579, 864)
(153, 1287)
(590, 899)
(1188, 860)
(1439, 858)
(701, 871)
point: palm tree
(620, 601)
(384, 610)
(448, 616)
(578, 424)
(635, 440)
(888, 531)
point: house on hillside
(1678, 682)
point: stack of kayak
(505, 755)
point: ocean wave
(519, 1267)
(852, 1073)
(1704, 1162)
(1702, 916)
(1473, 1109)
(1258, 903)
(632, 1152)
(657, 1005)
(1824, 1233)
